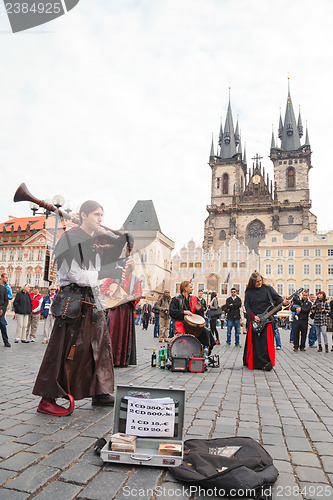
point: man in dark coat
(233, 305)
(146, 311)
(3, 308)
(78, 360)
(301, 321)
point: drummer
(187, 305)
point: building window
(318, 288)
(143, 281)
(306, 269)
(280, 269)
(290, 219)
(279, 252)
(225, 186)
(291, 177)
(330, 290)
(28, 280)
(291, 288)
(37, 279)
(306, 252)
(242, 264)
(305, 238)
(329, 268)
(268, 253)
(197, 264)
(330, 252)
(40, 254)
(279, 288)
(224, 288)
(237, 286)
(317, 252)
(274, 239)
(17, 279)
(318, 269)
(268, 268)
(307, 286)
(190, 264)
(291, 268)
(183, 264)
(201, 286)
(3, 256)
(20, 254)
(291, 252)
(31, 254)
(234, 264)
(177, 288)
(222, 235)
(225, 264)
(11, 255)
(218, 183)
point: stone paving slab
(288, 410)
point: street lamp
(58, 201)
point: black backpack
(247, 473)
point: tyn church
(245, 203)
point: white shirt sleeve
(79, 275)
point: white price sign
(150, 417)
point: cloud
(119, 102)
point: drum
(194, 324)
(184, 346)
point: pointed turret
(237, 135)
(212, 154)
(220, 134)
(307, 141)
(273, 140)
(228, 147)
(299, 124)
(290, 140)
(280, 129)
(244, 156)
(240, 145)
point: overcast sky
(117, 101)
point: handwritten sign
(150, 417)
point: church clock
(256, 179)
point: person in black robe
(259, 351)
(78, 360)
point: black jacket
(233, 308)
(257, 299)
(22, 303)
(3, 298)
(305, 310)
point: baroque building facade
(245, 203)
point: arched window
(222, 235)
(290, 219)
(225, 185)
(291, 181)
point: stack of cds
(123, 442)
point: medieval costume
(121, 322)
(259, 351)
(78, 359)
(191, 303)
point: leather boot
(50, 407)
(326, 348)
(102, 400)
(320, 348)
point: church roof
(142, 217)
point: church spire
(290, 140)
(273, 139)
(307, 141)
(237, 135)
(228, 146)
(220, 134)
(280, 130)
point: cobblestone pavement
(289, 410)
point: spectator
(301, 321)
(213, 305)
(163, 305)
(156, 312)
(47, 315)
(138, 314)
(3, 308)
(22, 307)
(312, 337)
(233, 305)
(36, 299)
(321, 309)
(146, 315)
(276, 333)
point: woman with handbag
(320, 312)
(213, 307)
